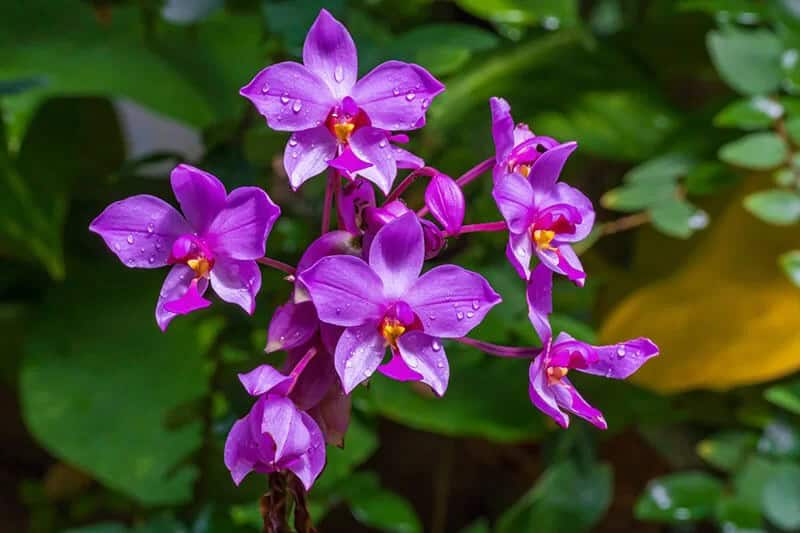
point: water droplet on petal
(297, 106)
(292, 142)
(436, 346)
(130, 239)
(338, 310)
(348, 364)
(412, 362)
(382, 144)
(117, 246)
(158, 245)
(150, 227)
(432, 316)
(410, 96)
(284, 98)
(265, 88)
(367, 373)
(151, 259)
(425, 103)
(440, 364)
(620, 352)
(396, 91)
(476, 304)
(470, 314)
(338, 73)
(460, 315)
(294, 155)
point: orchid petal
(569, 399)
(237, 282)
(519, 252)
(358, 354)
(329, 52)
(372, 145)
(201, 195)
(282, 421)
(502, 128)
(620, 360)
(406, 159)
(240, 230)
(264, 379)
(140, 230)
(175, 286)
(191, 300)
(292, 325)
(546, 169)
(445, 200)
(396, 95)
(332, 415)
(450, 300)
(307, 154)
(240, 455)
(355, 196)
(397, 253)
(309, 465)
(540, 301)
(541, 393)
(513, 195)
(345, 290)
(290, 96)
(425, 355)
(398, 370)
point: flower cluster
(360, 301)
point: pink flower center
(194, 253)
(345, 119)
(397, 320)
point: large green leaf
(748, 60)
(679, 497)
(775, 206)
(99, 382)
(565, 498)
(550, 13)
(781, 498)
(758, 151)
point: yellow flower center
(391, 329)
(343, 131)
(525, 170)
(555, 373)
(200, 265)
(543, 238)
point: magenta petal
(540, 301)
(397, 253)
(372, 145)
(315, 378)
(355, 197)
(140, 230)
(566, 195)
(237, 282)
(406, 159)
(240, 453)
(308, 466)
(396, 95)
(398, 370)
(282, 421)
(542, 394)
(513, 195)
(332, 415)
(425, 355)
(519, 252)
(345, 290)
(200, 194)
(290, 96)
(348, 163)
(292, 325)
(523, 133)
(450, 301)
(358, 354)
(191, 300)
(175, 286)
(444, 199)
(547, 168)
(307, 154)
(240, 230)
(570, 265)
(330, 53)
(619, 361)
(264, 379)
(502, 128)
(569, 399)
(331, 243)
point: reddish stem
(277, 265)
(407, 181)
(326, 211)
(483, 227)
(475, 171)
(499, 350)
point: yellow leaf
(726, 317)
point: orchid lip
(194, 253)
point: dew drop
(620, 352)
(425, 103)
(292, 142)
(432, 316)
(150, 227)
(130, 239)
(297, 106)
(294, 155)
(265, 88)
(470, 314)
(367, 373)
(396, 91)
(410, 96)
(284, 98)
(338, 73)
(382, 144)
(440, 364)
(282, 338)
(130, 260)
(338, 310)
(412, 362)
(348, 364)
(436, 346)
(476, 304)
(117, 246)
(460, 315)
(158, 245)
(151, 259)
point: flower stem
(277, 265)
(337, 192)
(624, 223)
(407, 181)
(300, 366)
(475, 171)
(326, 211)
(499, 350)
(483, 227)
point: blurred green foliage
(672, 102)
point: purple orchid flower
(445, 200)
(338, 121)
(384, 303)
(550, 390)
(275, 435)
(543, 215)
(217, 239)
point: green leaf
(374, 506)
(98, 384)
(290, 19)
(685, 496)
(785, 395)
(781, 500)
(638, 197)
(549, 13)
(748, 60)
(665, 168)
(677, 218)
(727, 450)
(793, 129)
(775, 206)
(750, 480)
(709, 177)
(565, 498)
(188, 11)
(10, 87)
(758, 151)
(737, 516)
(753, 113)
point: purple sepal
(445, 202)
